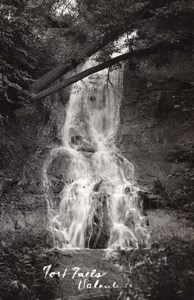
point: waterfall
(98, 206)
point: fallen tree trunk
(43, 82)
(67, 66)
(132, 54)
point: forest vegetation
(42, 40)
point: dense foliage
(36, 35)
(24, 53)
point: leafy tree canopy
(56, 35)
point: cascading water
(99, 206)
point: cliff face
(156, 131)
(25, 143)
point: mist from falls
(99, 205)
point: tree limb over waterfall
(161, 47)
(135, 11)
(67, 66)
(43, 47)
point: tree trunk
(134, 53)
(43, 82)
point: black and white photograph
(96, 150)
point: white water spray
(99, 205)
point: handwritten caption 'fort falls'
(83, 277)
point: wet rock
(86, 147)
(98, 232)
(97, 186)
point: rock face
(156, 131)
(99, 231)
(25, 143)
